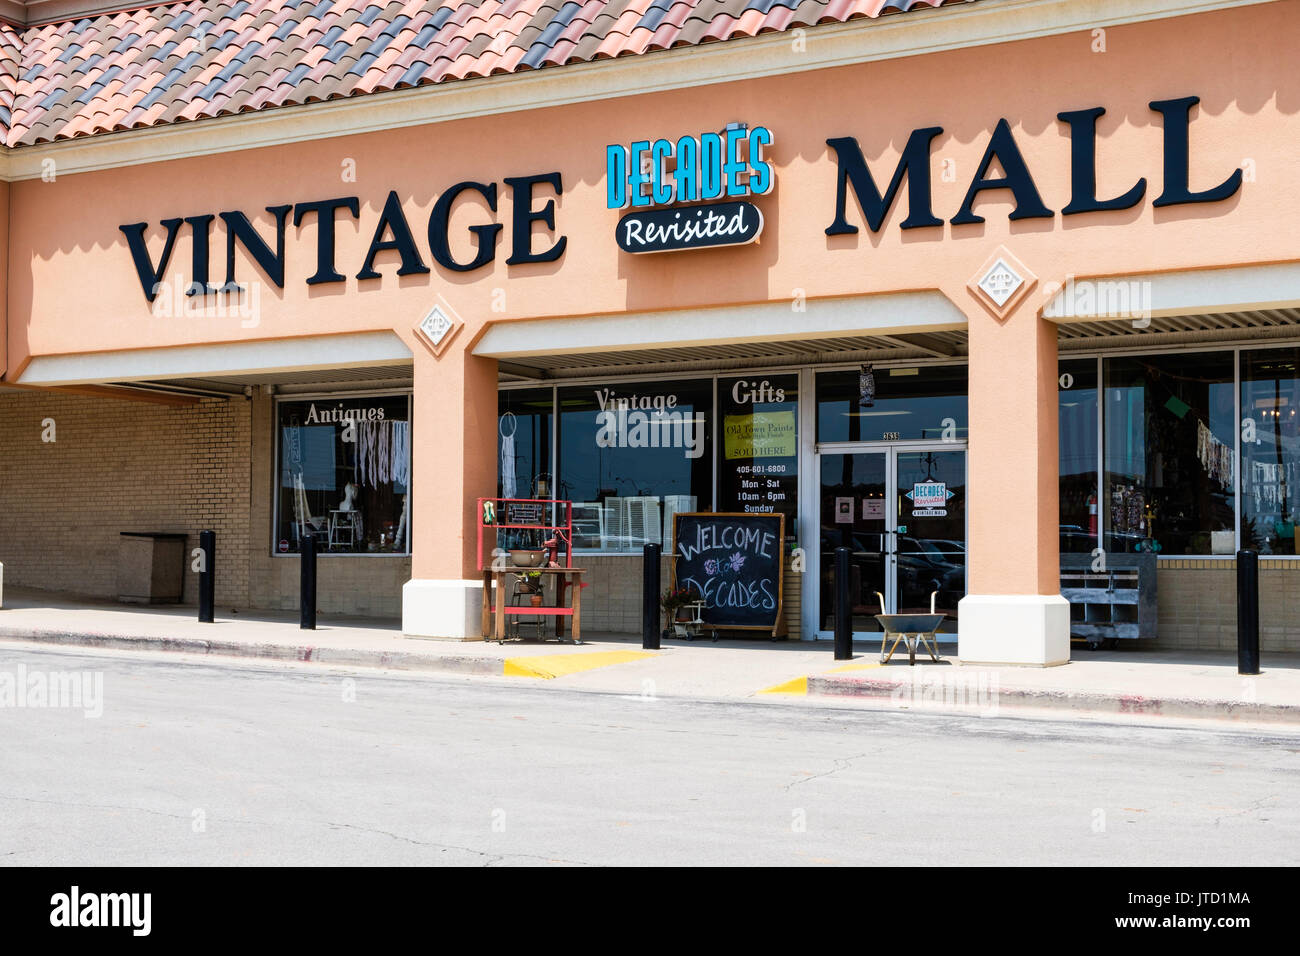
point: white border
(214, 360)
(775, 321)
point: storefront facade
(962, 330)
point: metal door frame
(891, 451)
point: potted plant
(531, 584)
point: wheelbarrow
(911, 629)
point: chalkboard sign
(735, 562)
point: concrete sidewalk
(1122, 684)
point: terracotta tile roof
(178, 62)
(10, 61)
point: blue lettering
(616, 176)
(710, 166)
(637, 174)
(660, 190)
(760, 180)
(734, 165)
(688, 174)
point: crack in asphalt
(841, 763)
(95, 806)
(491, 858)
(1257, 805)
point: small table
(694, 627)
(494, 614)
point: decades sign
(668, 230)
(723, 166)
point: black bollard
(843, 607)
(650, 598)
(307, 587)
(1247, 612)
(207, 575)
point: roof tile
(187, 61)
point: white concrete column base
(1028, 629)
(451, 610)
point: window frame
(1100, 355)
(407, 393)
(808, 393)
(711, 377)
(709, 380)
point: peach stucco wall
(73, 289)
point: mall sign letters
(915, 165)
(689, 193)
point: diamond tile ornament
(435, 326)
(438, 328)
(1001, 282)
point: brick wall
(132, 466)
(119, 466)
(1197, 605)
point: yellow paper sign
(760, 435)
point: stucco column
(453, 463)
(1013, 612)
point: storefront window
(1080, 514)
(524, 419)
(758, 468)
(1170, 446)
(633, 454)
(345, 475)
(1270, 449)
(917, 402)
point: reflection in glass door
(902, 513)
(855, 514)
(930, 519)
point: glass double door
(901, 511)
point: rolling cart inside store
(1113, 602)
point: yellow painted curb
(800, 684)
(797, 686)
(548, 666)
(857, 666)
